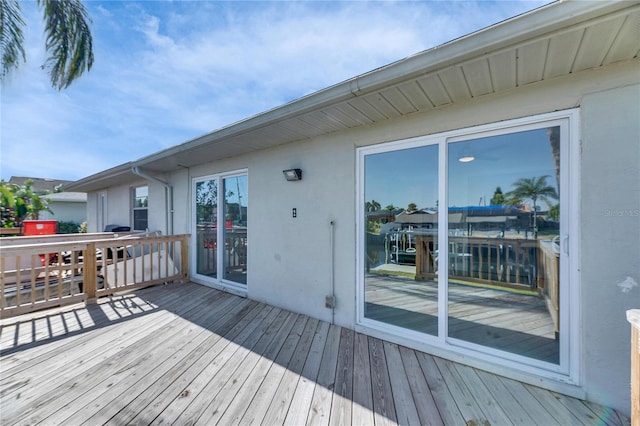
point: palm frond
(68, 41)
(11, 37)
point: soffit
(450, 74)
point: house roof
(39, 184)
(67, 197)
(552, 41)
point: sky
(400, 177)
(166, 72)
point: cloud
(167, 72)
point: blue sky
(411, 175)
(166, 72)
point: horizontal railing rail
(41, 274)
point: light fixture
(292, 174)
(466, 159)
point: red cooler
(40, 227)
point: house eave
(342, 103)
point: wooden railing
(235, 252)
(633, 316)
(10, 231)
(41, 272)
(507, 262)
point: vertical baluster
(3, 300)
(34, 264)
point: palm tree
(534, 189)
(28, 204)
(68, 39)
(372, 206)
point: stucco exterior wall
(290, 259)
(610, 241)
(66, 211)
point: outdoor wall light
(292, 174)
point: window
(140, 208)
(464, 241)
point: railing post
(184, 257)
(633, 316)
(90, 272)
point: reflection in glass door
(206, 211)
(504, 206)
(235, 229)
(464, 240)
(401, 193)
(221, 214)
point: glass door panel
(235, 229)
(401, 227)
(206, 227)
(503, 235)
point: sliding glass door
(220, 215)
(464, 240)
(400, 284)
(504, 242)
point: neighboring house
(554, 92)
(40, 185)
(64, 206)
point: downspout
(168, 197)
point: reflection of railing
(45, 271)
(549, 277)
(235, 252)
(501, 261)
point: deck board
(281, 401)
(362, 410)
(303, 395)
(186, 354)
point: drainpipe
(168, 196)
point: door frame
(219, 282)
(568, 369)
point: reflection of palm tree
(535, 188)
(372, 206)
(554, 140)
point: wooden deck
(186, 354)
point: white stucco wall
(290, 258)
(66, 211)
(610, 246)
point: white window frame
(568, 369)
